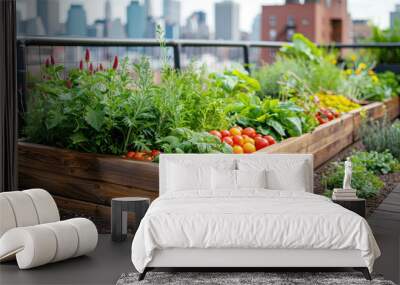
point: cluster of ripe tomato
(325, 115)
(243, 140)
(143, 155)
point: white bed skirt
(189, 257)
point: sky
(375, 10)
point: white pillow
(289, 173)
(184, 177)
(251, 178)
(296, 180)
(224, 179)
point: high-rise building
(395, 16)
(116, 29)
(172, 18)
(76, 21)
(49, 12)
(136, 20)
(149, 8)
(196, 26)
(227, 20)
(256, 28)
(172, 11)
(97, 29)
(107, 18)
(27, 9)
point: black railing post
(246, 57)
(177, 55)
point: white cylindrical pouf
(87, 234)
(7, 218)
(23, 207)
(45, 205)
(34, 246)
(67, 239)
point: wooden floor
(110, 260)
(385, 223)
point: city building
(256, 28)
(116, 29)
(196, 26)
(76, 21)
(322, 21)
(362, 29)
(49, 12)
(227, 20)
(97, 29)
(172, 18)
(107, 18)
(395, 16)
(136, 20)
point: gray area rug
(233, 278)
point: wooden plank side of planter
(89, 190)
(326, 134)
(375, 110)
(106, 168)
(330, 150)
(81, 208)
(291, 145)
(393, 107)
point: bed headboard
(286, 164)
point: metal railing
(177, 45)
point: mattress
(250, 219)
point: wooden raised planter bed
(84, 183)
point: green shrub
(377, 162)
(381, 136)
(391, 35)
(366, 182)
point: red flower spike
(47, 62)
(81, 65)
(87, 55)
(115, 64)
(91, 68)
(52, 61)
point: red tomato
(258, 136)
(249, 148)
(238, 140)
(155, 152)
(235, 131)
(227, 140)
(140, 156)
(131, 154)
(237, 149)
(330, 116)
(216, 133)
(225, 133)
(270, 139)
(261, 143)
(249, 132)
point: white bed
(215, 211)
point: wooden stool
(119, 214)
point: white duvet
(250, 219)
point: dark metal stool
(119, 214)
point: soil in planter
(391, 180)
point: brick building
(322, 21)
